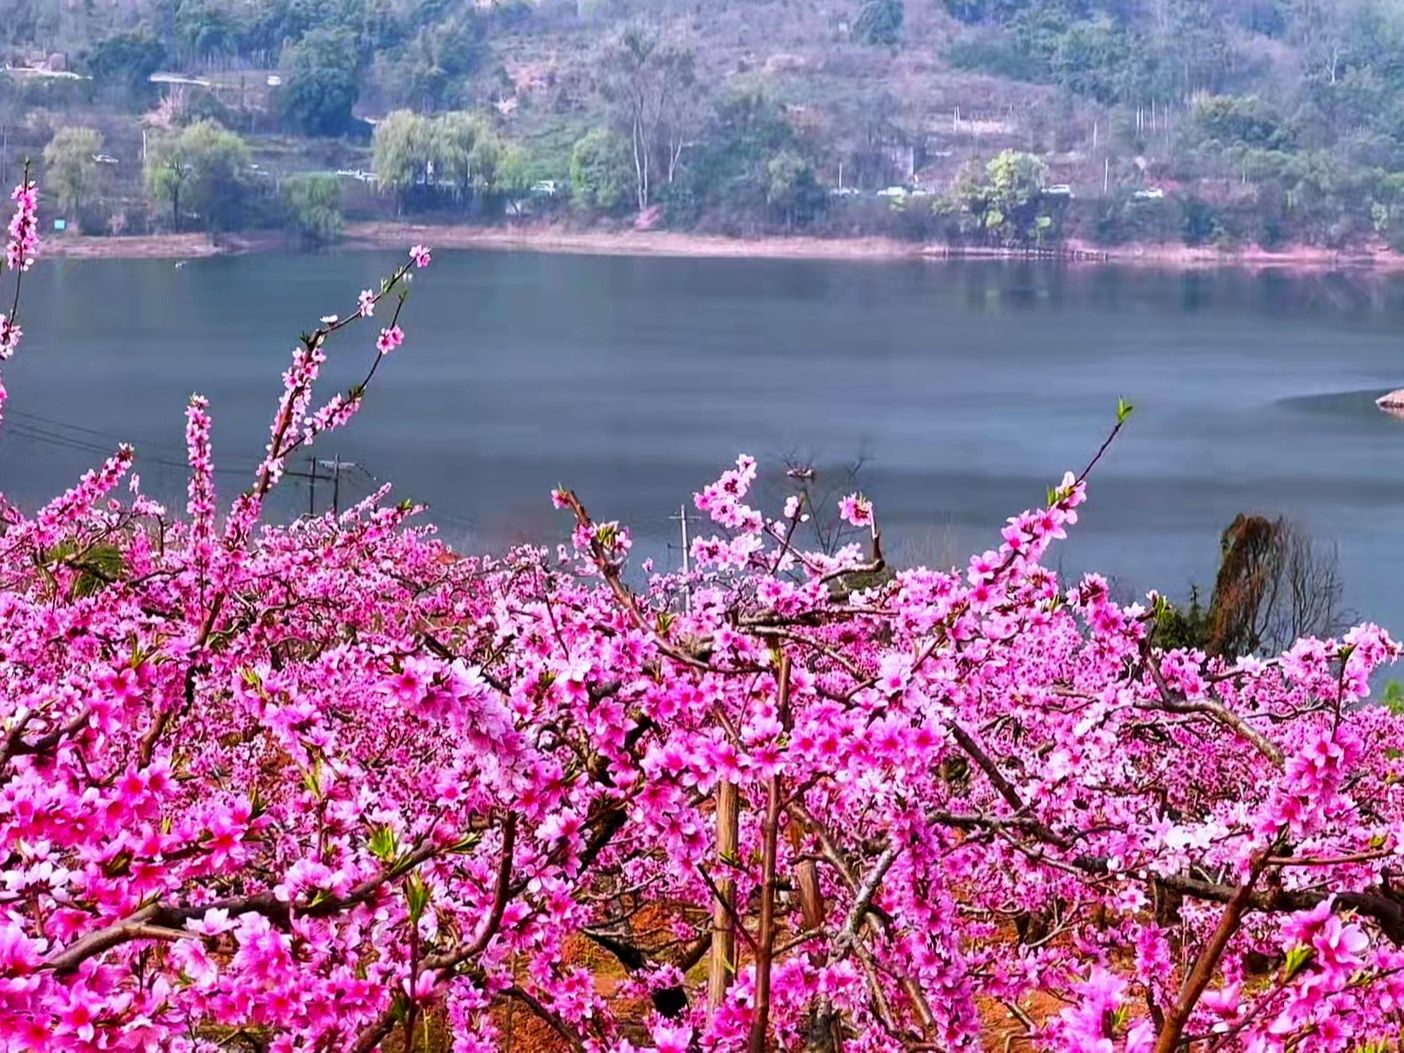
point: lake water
(966, 388)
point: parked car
(1150, 193)
(105, 159)
(845, 191)
(893, 192)
(545, 188)
(1059, 190)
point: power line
(60, 434)
(53, 432)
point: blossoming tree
(333, 786)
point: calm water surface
(966, 389)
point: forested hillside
(1004, 122)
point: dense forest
(995, 122)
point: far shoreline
(381, 235)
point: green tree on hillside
(221, 161)
(167, 174)
(204, 29)
(1219, 121)
(879, 22)
(601, 172)
(1005, 197)
(436, 61)
(314, 208)
(459, 153)
(466, 150)
(321, 82)
(202, 168)
(730, 176)
(403, 148)
(983, 10)
(71, 168)
(125, 60)
(792, 186)
(513, 177)
(1095, 58)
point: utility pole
(681, 518)
(335, 466)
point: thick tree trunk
(765, 943)
(722, 965)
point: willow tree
(70, 163)
(402, 152)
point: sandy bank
(387, 235)
(674, 243)
(136, 247)
(626, 242)
(1291, 257)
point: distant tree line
(1218, 122)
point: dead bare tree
(653, 86)
(1275, 584)
(819, 491)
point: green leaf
(382, 844)
(467, 842)
(416, 895)
(399, 1008)
(1297, 957)
(1124, 410)
(312, 778)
